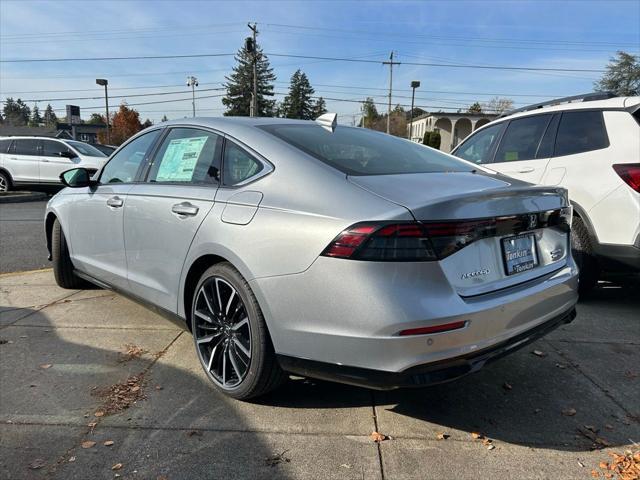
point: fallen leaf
(592, 428)
(92, 424)
(604, 465)
(37, 464)
(561, 365)
(378, 437)
(491, 447)
(595, 474)
(569, 412)
(108, 443)
(344, 465)
(277, 459)
(580, 464)
(158, 387)
(506, 386)
(486, 442)
(99, 413)
(476, 435)
(442, 436)
(192, 433)
(608, 427)
(117, 466)
(72, 459)
(539, 353)
(46, 365)
(88, 444)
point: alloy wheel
(3, 184)
(222, 332)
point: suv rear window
(360, 151)
(26, 146)
(580, 131)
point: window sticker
(510, 156)
(179, 160)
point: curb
(19, 197)
(24, 272)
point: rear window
(360, 151)
(26, 146)
(580, 131)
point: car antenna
(328, 121)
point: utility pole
(253, 111)
(104, 82)
(391, 63)
(414, 84)
(193, 83)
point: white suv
(590, 146)
(41, 160)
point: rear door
(163, 214)
(23, 160)
(53, 160)
(517, 153)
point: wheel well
(193, 276)
(6, 172)
(49, 229)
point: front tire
(584, 257)
(5, 182)
(62, 266)
(231, 336)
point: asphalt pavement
(71, 361)
(22, 239)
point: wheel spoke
(206, 299)
(224, 365)
(204, 316)
(231, 297)
(213, 352)
(239, 325)
(208, 338)
(234, 364)
(242, 348)
(217, 282)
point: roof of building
(11, 131)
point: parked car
(590, 146)
(31, 161)
(291, 246)
(106, 149)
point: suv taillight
(630, 173)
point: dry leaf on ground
(378, 437)
(507, 386)
(37, 464)
(277, 459)
(46, 366)
(117, 466)
(569, 412)
(131, 352)
(88, 444)
(108, 443)
(476, 435)
(442, 436)
(539, 353)
(121, 396)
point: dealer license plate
(519, 253)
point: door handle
(44, 160)
(115, 202)
(185, 208)
(526, 170)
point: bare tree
(498, 105)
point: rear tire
(62, 266)
(584, 256)
(5, 182)
(231, 336)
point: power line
(98, 97)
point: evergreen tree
(36, 118)
(475, 108)
(298, 103)
(16, 112)
(369, 113)
(320, 108)
(147, 123)
(164, 118)
(96, 119)
(622, 76)
(50, 118)
(239, 85)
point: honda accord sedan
(310, 248)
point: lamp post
(193, 83)
(415, 84)
(103, 82)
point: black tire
(62, 266)
(262, 372)
(584, 256)
(5, 182)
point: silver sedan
(325, 251)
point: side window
(238, 164)
(477, 148)
(4, 145)
(188, 155)
(580, 132)
(521, 139)
(26, 146)
(123, 166)
(51, 148)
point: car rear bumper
(421, 375)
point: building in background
(453, 127)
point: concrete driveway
(64, 369)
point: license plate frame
(519, 253)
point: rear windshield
(360, 151)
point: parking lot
(73, 361)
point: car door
(23, 160)
(96, 229)
(55, 158)
(517, 153)
(163, 214)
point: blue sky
(570, 34)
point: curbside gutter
(19, 197)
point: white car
(41, 160)
(590, 145)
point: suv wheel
(5, 182)
(231, 336)
(583, 254)
(62, 266)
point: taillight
(630, 173)
(420, 242)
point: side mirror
(67, 154)
(76, 178)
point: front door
(163, 214)
(96, 228)
(518, 153)
(54, 160)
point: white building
(453, 127)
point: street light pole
(253, 110)
(415, 84)
(104, 83)
(193, 83)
